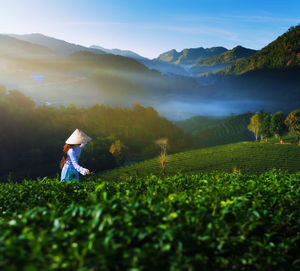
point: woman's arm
(75, 164)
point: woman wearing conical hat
(71, 152)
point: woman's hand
(87, 172)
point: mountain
(164, 67)
(64, 48)
(84, 78)
(228, 57)
(269, 79)
(220, 61)
(126, 53)
(61, 47)
(283, 53)
(152, 64)
(10, 46)
(170, 56)
(188, 57)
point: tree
(255, 124)
(293, 122)
(277, 126)
(265, 125)
(119, 151)
(96, 156)
(18, 99)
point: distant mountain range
(218, 62)
(200, 80)
(188, 62)
(189, 57)
(228, 57)
(14, 47)
(153, 64)
(126, 53)
(61, 47)
(83, 77)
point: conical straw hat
(78, 137)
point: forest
(32, 137)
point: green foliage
(279, 54)
(195, 222)
(245, 156)
(277, 126)
(265, 125)
(293, 122)
(96, 155)
(119, 151)
(228, 57)
(260, 125)
(190, 56)
(255, 124)
(203, 131)
(32, 137)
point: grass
(247, 157)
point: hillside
(283, 53)
(84, 78)
(250, 157)
(218, 62)
(10, 46)
(61, 80)
(188, 57)
(61, 47)
(228, 57)
(163, 67)
(205, 131)
(126, 53)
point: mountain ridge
(116, 51)
(282, 53)
(228, 57)
(13, 46)
(189, 56)
(59, 46)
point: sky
(151, 27)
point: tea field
(247, 157)
(207, 221)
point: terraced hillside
(249, 157)
(212, 131)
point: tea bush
(214, 221)
(249, 157)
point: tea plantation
(247, 157)
(208, 221)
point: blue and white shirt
(71, 166)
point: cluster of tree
(32, 136)
(265, 125)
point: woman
(71, 152)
